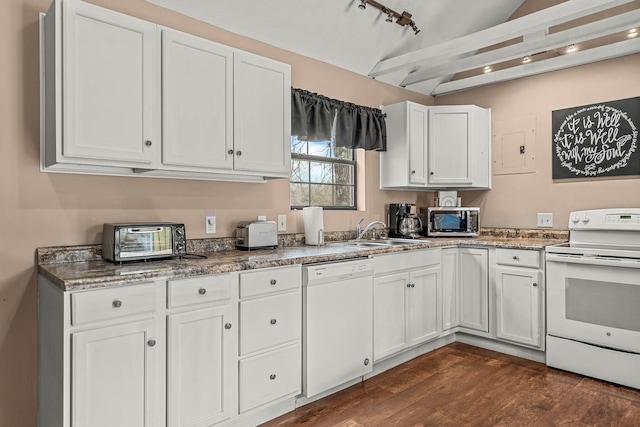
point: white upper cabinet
(262, 114)
(432, 148)
(125, 96)
(101, 79)
(197, 103)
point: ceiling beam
(601, 53)
(563, 12)
(574, 35)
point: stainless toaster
(256, 235)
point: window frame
(331, 160)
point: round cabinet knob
(273, 321)
(148, 143)
(413, 285)
(227, 326)
(413, 172)
(151, 343)
(239, 153)
(408, 285)
(535, 285)
(366, 362)
(608, 334)
(202, 291)
(273, 282)
(272, 376)
(230, 151)
(116, 303)
(515, 258)
(431, 173)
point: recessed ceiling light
(571, 48)
(487, 69)
(526, 59)
(632, 32)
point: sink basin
(380, 242)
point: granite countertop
(81, 267)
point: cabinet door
(418, 132)
(114, 378)
(423, 298)
(197, 102)
(390, 314)
(474, 289)
(450, 288)
(262, 115)
(518, 294)
(449, 153)
(109, 72)
(200, 367)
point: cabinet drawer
(104, 304)
(269, 376)
(519, 257)
(273, 280)
(269, 321)
(383, 264)
(197, 290)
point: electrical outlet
(210, 224)
(262, 218)
(282, 223)
(545, 220)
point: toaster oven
(139, 241)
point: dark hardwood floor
(462, 385)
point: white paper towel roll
(313, 225)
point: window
(322, 175)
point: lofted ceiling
(461, 43)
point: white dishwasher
(337, 323)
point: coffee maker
(404, 221)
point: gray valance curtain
(317, 118)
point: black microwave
(453, 221)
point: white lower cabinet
(201, 342)
(406, 301)
(113, 375)
(474, 290)
(519, 297)
(270, 351)
(101, 356)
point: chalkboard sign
(596, 140)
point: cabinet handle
(273, 282)
(273, 321)
(535, 285)
(515, 258)
(366, 362)
(116, 303)
(230, 151)
(431, 173)
(408, 285)
(413, 285)
(148, 143)
(151, 342)
(227, 326)
(239, 153)
(272, 376)
(413, 172)
(202, 291)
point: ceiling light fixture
(571, 48)
(632, 32)
(526, 59)
(487, 69)
(402, 19)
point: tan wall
(45, 209)
(515, 199)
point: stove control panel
(605, 219)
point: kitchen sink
(380, 242)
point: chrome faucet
(361, 233)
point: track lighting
(402, 19)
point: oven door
(594, 300)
